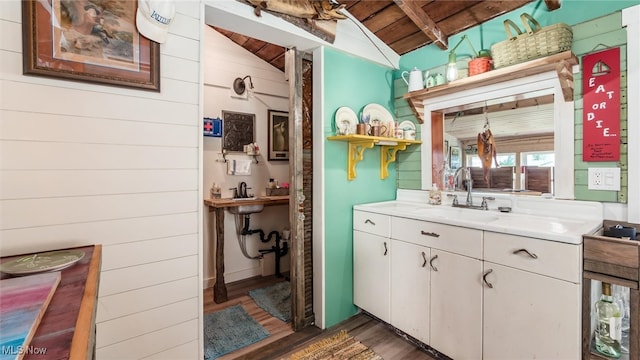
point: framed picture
(278, 135)
(455, 158)
(93, 41)
(237, 130)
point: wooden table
(216, 226)
(67, 329)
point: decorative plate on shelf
(346, 121)
(377, 112)
(42, 262)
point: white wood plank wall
(92, 164)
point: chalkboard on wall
(237, 130)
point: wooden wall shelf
(562, 63)
(358, 143)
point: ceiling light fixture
(239, 86)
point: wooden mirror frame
(526, 87)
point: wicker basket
(479, 65)
(535, 43)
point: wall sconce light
(239, 86)
(452, 67)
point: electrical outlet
(604, 179)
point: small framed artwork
(212, 127)
(278, 138)
(88, 41)
(237, 130)
(455, 158)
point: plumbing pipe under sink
(242, 230)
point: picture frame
(278, 135)
(238, 130)
(455, 158)
(88, 43)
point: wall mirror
(531, 121)
(523, 131)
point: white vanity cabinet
(371, 263)
(471, 292)
(532, 298)
(456, 305)
(477, 284)
(410, 293)
(446, 293)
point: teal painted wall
(353, 82)
(571, 12)
(593, 23)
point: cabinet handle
(431, 262)
(429, 233)
(533, 255)
(484, 278)
(386, 250)
(369, 222)
(424, 257)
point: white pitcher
(415, 81)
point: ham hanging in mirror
(487, 149)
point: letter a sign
(601, 110)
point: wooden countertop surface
(265, 200)
(67, 328)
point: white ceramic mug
(344, 128)
(409, 134)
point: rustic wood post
(219, 288)
(293, 63)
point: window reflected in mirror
(523, 134)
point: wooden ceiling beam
(424, 22)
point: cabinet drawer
(612, 256)
(550, 258)
(458, 240)
(372, 223)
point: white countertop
(548, 219)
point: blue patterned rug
(274, 299)
(229, 330)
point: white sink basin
(457, 213)
(397, 206)
(245, 209)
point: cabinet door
(371, 274)
(456, 305)
(410, 289)
(530, 316)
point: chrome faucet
(469, 185)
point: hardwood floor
(283, 342)
(238, 294)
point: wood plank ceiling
(404, 25)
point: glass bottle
(435, 196)
(620, 296)
(608, 325)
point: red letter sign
(601, 110)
